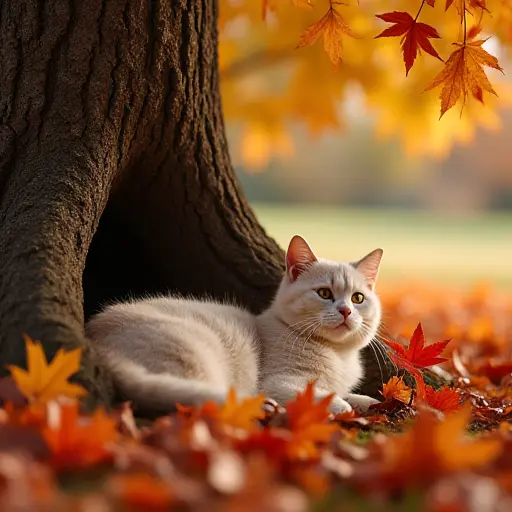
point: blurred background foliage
(356, 157)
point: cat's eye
(325, 293)
(357, 298)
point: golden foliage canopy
(293, 62)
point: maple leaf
(77, 442)
(233, 413)
(304, 410)
(271, 441)
(416, 353)
(308, 423)
(463, 72)
(241, 414)
(397, 388)
(444, 399)
(466, 5)
(414, 34)
(44, 382)
(432, 448)
(332, 26)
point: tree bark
(115, 178)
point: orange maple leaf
(463, 73)
(308, 423)
(332, 26)
(77, 442)
(233, 413)
(44, 382)
(415, 35)
(304, 411)
(241, 414)
(444, 399)
(397, 388)
(432, 448)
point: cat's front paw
(338, 405)
(361, 402)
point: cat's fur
(165, 350)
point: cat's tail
(160, 391)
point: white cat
(167, 350)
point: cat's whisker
(384, 350)
(376, 348)
(292, 329)
(311, 334)
(296, 327)
(375, 352)
(304, 325)
(310, 326)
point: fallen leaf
(305, 410)
(307, 419)
(44, 382)
(432, 448)
(397, 388)
(333, 27)
(77, 442)
(419, 355)
(244, 413)
(444, 399)
(415, 35)
(416, 355)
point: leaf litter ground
(424, 447)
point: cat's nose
(345, 311)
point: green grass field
(437, 247)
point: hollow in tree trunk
(115, 178)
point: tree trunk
(115, 178)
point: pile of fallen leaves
(445, 448)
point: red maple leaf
(415, 35)
(416, 355)
(444, 399)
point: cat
(167, 350)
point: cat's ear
(298, 256)
(369, 266)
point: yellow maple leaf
(332, 26)
(43, 382)
(463, 73)
(397, 388)
(241, 414)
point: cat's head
(333, 300)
